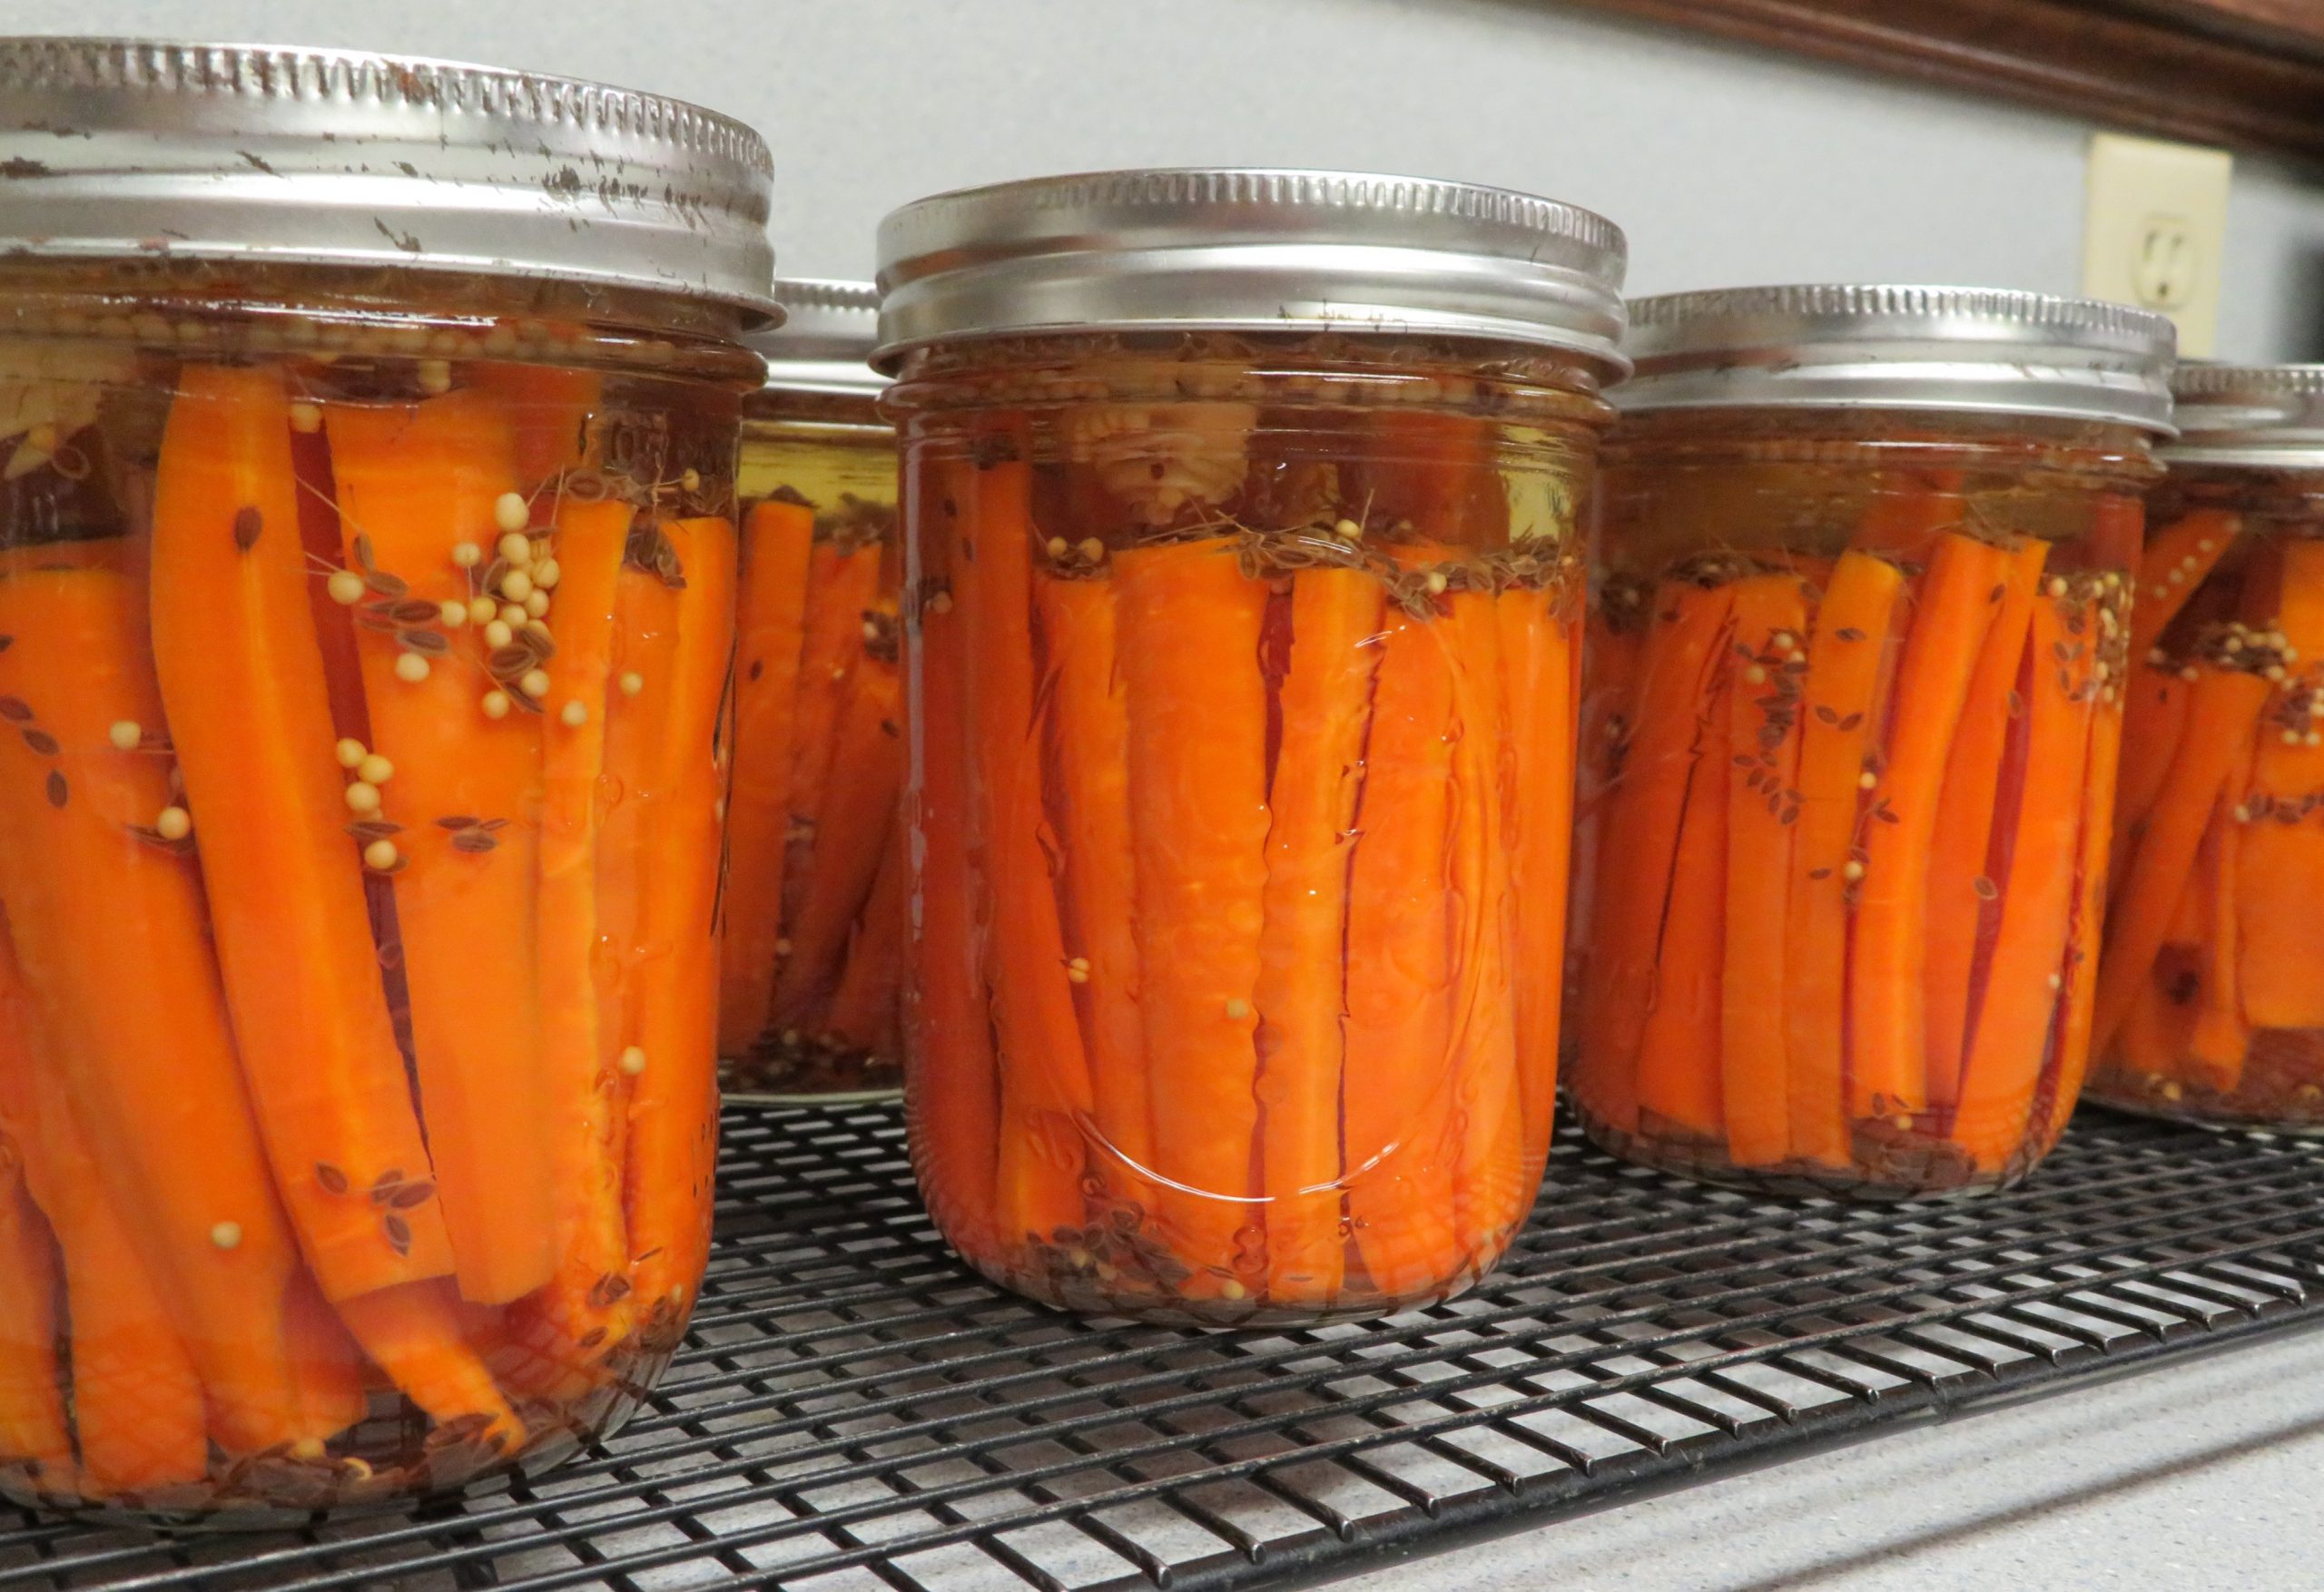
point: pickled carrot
(2151, 1038)
(2179, 558)
(953, 1092)
(1538, 668)
(137, 1401)
(1398, 1093)
(1326, 700)
(2223, 716)
(326, 545)
(32, 1434)
(1189, 626)
(2280, 873)
(1762, 771)
(551, 408)
(1961, 917)
(325, 1364)
(402, 1331)
(243, 677)
(2154, 719)
(2091, 879)
(1847, 664)
(2013, 1023)
(2221, 1039)
(864, 1002)
(842, 586)
(32, 1407)
(1680, 1078)
(113, 942)
(770, 635)
(673, 1102)
(1044, 1088)
(1646, 803)
(585, 1310)
(415, 479)
(1090, 726)
(851, 829)
(1953, 607)
(1488, 1192)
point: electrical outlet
(2154, 231)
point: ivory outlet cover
(2155, 229)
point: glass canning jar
(2210, 998)
(1851, 716)
(366, 586)
(1241, 628)
(817, 878)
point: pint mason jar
(1242, 626)
(817, 874)
(2211, 997)
(1851, 714)
(366, 569)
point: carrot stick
(2222, 718)
(1960, 914)
(325, 1362)
(2091, 882)
(414, 480)
(841, 584)
(770, 635)
(2179, 558)
(953, 1092)
(32, 1435)
(674, 1108)
(243, 681)
(1090, 727)
(2155, 717)
(584, 1310)
(550, 407)
(1045, 1090)
(402, 1331)
(137, 1404)
(864, 1002)
(1398, 1100)
(326, 545)
(113, 941)
(2280, 957)
(1679, 1071)
(2010, 1038)
(2222, 1038)
(1489, 1194)
(851, 829)
(1762, 772)
(1646, 803)
(1190, 635)
(1325, 698)
(1887, 953)
(1847, 662)
(1538, 663)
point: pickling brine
(2210, 1001)
(364, 644)
(1846, 794)
(1244, 760)
(817, 871)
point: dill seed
(247, 524)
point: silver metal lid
(122, 147)
(1965, 350)
(1251, 251)
(2250, 414)
(824, 344)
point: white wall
(1725, 166)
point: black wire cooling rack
(857, 1411)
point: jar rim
(1943, 349)
(824, 345)
(139, 148)
(1236, 249)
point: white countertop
(2182, 1478)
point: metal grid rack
(856, 1410)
